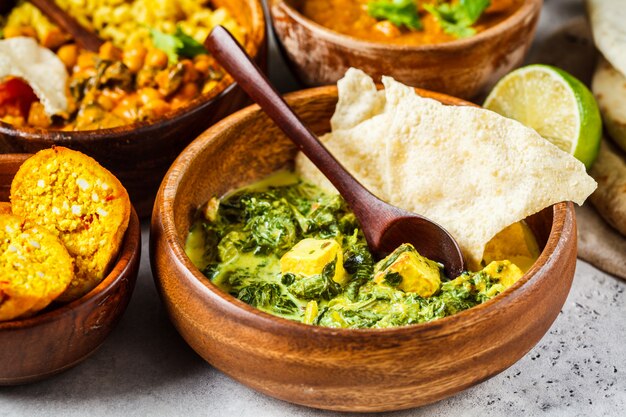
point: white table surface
(145, 369)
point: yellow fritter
(5, 208)
(35, 268)
(82, 203)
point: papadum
(469, 169)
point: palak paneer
(290, 249)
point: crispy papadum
(469, 169)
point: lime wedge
(554, 103)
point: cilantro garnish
(176, 45)
(398, 12)
(457, 19)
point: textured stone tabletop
(145, 369)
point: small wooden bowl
(338, 369)
(63, 336)
(139, 154)
(462, 68)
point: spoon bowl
(385, 226)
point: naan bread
(468, 169)
(609, 31)
(609, 171)
(609, 88)
(22, 57)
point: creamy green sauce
(238, 242)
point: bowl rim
(130, 250)
(254, 45)
(163, 221)
(528, 8)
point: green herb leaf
(393, 278)
(176, 45)
(399, 12)
(190, 47)
(457, 19)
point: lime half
(554, 103)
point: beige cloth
(571, 48)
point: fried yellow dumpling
(35, 268)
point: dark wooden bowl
(139, 154)
(64, 335)
(462, 68)
(338, 369)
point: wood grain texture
(139, 154)
(462, 68)
(64, 335)
(338, 369)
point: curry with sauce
(286, 247)
(409, 22)
(151, 64)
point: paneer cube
(409, 271)
(505, 272)
(515, 243)
(310, 256)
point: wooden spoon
(86, 38)
(385, 226)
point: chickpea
(53, 38)
(202, 64)
(37, 116)
(156, 108)
(105, 102)
(188, 91)
(127, 108)
(387, 28)
(146, 95)
(156, 58)
(109, 52)
(134, 57)
(69, 55)
(86, 60)
(190, 74)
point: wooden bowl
(462, 68)
(338, 369)
(139, 154)
(63, 336)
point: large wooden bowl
(64, 335)
(338, 369)
(139, 154)
(462, 68)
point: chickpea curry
(152, 62)
(288, 248)
(409, 22)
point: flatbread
(609, 31)
(609, 88)
(468, 169)
(45, 73)
(609, 199)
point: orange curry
(351, 17)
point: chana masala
(152, 62)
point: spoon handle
(236, 61)
(86, 38)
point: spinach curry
(286, 247)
